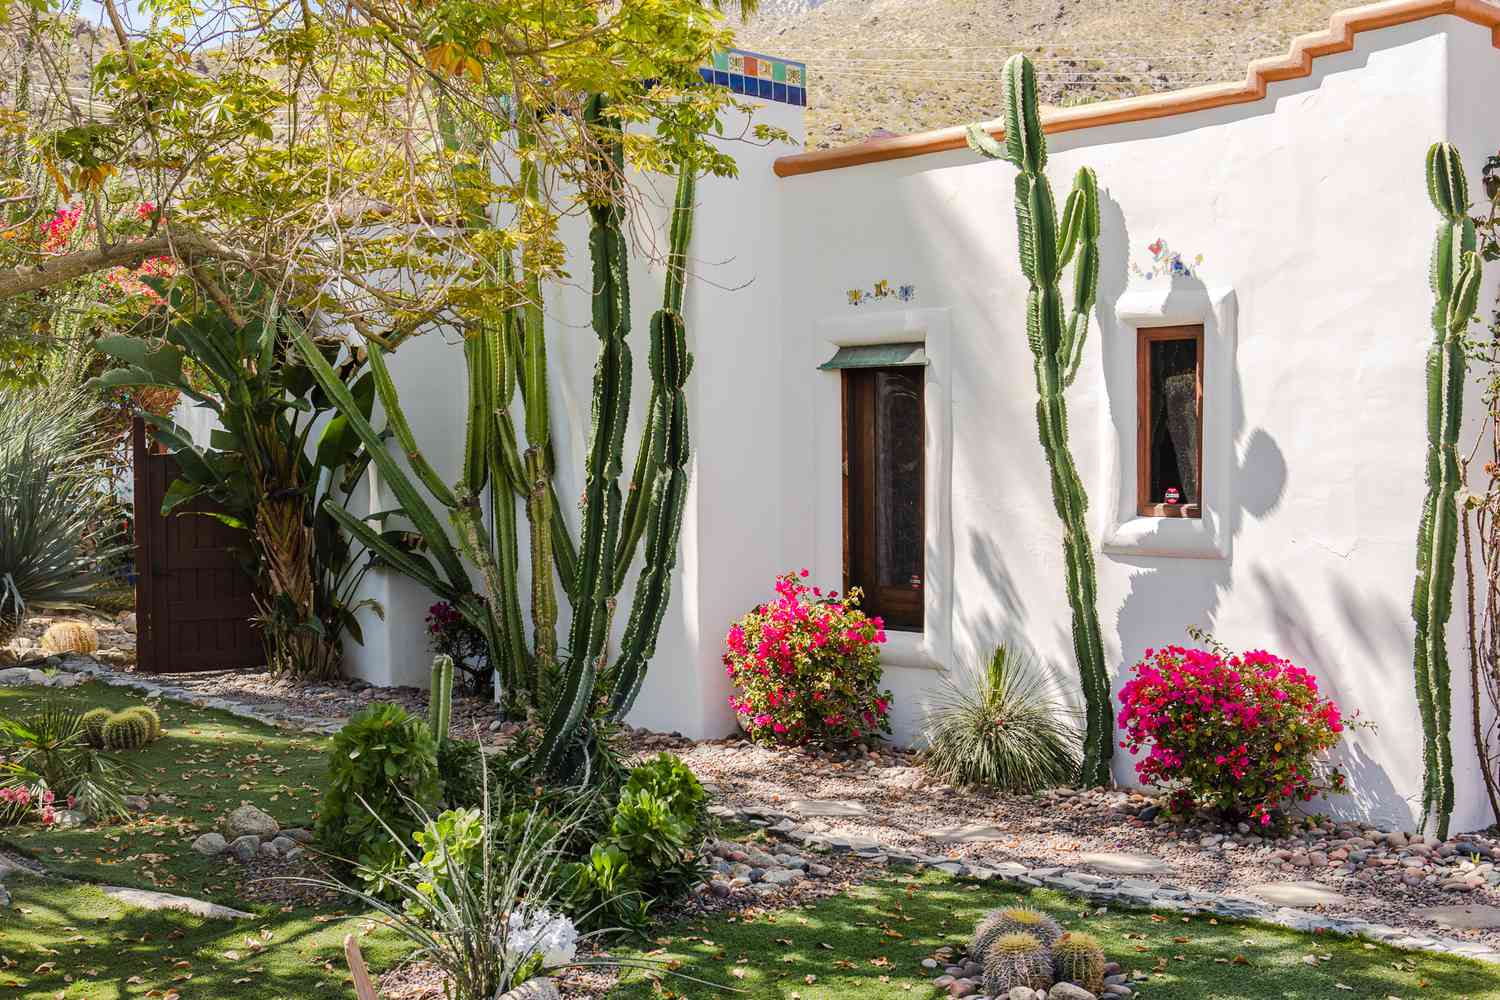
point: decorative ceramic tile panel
(755, 75)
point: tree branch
(186, 247)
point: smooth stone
(248, 820)
(826, 807)
(968, 834)
(245, 847)
(1021, 993)
(300, 835)
(1297, 894)
(1125, 863)
(22, 677)
(782, 876)
(137, 803)
(1068, 991)
(67, 819)
(533, 989)
(211, 844)
(1473, 916)
(144, 900)
(268, 850)
(283, 844)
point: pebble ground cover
(870, 943)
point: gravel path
(1342, 869)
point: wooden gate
(193, 598)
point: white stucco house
(1280, 226)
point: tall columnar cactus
(440, 697)
(1455, 276)
(502, 359)
(1056, 336)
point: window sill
(913, 650)
(1185, 537)
(1170, 510)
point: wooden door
(193, 597)
(884, 484)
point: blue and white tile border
(755, 75)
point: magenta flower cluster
(17, 801)
(806, 667)
(1243, 735)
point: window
(884, 483)
(1169, 449)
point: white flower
(540, 932)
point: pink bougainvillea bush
(1243, 735)
(806, 668)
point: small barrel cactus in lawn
(1016, 960)
(153, 721)
(69, 637)
(126, 731)
(93, 722)
(1077, 958)
(1013, 920)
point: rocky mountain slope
(906, 65)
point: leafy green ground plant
(46, 748)
(998, 726)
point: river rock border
(1135, 892)
(267, 714)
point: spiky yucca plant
(997, 726)
(51, 505)
(1455, 277)
(1047, 246)
(1016, 960)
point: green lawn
(869, 943)
(209, 762)
(67, 939)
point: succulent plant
(1013, 920)
(1016, 960)
(126, 731)
(92, 723)
(1077, 958)
(69, 637)
(440, 698)
(1056, 333)
(153, 721)
(1456, 271)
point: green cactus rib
(440, 697)
(1455, 276)
(592, 604)
(1046, 249)
(666, 466)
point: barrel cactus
(1077, 958)
(1455, 277)
(1016, 960)
(153, 721)
(126, 731)
(1013, 920)
(69, 637)
(1056, 335)
(92, 723)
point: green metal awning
(876, 356)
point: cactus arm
(395, 417)
(1046, 248)
(564, 552)
(981, 142)
(637, 500)
(1454, 277)
(512, 660)
(412, 504)
(543, 594)
(440, 697)
(479, 425)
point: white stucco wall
(1309, 207)
(1310, 212)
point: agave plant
(51, 505)
(997, 726)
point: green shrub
(48, 750)
(382, 773)
(462, 773)
(669, 779)
(451, 843)
(998, 727)
(604, 891)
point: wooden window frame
(873, 599)
(1145, 337)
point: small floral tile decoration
(1166, 262)
(883, 290)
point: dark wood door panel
(195, 602)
